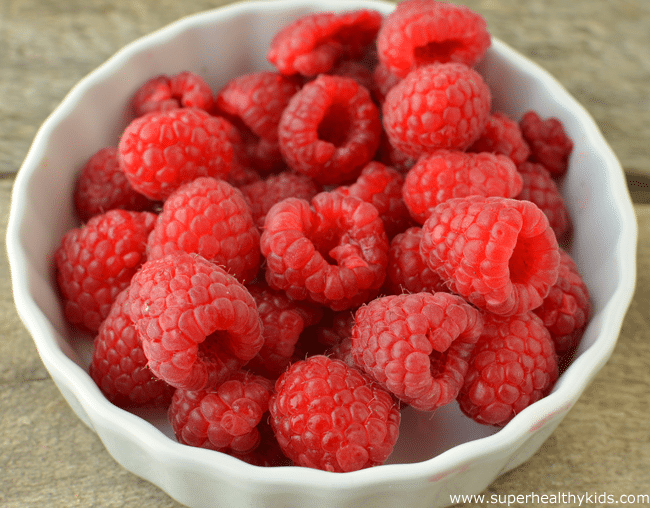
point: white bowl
(436, 455)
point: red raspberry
(119, 366)
(254, 103)
(198, 324)
(549, 143)
(103, 186)
(446, 174)
(382, 186)
(209, 217)
(161, 151)
(540, 188)
(162, 93)
(417, 346)
(356, 70)
(327, 415)
(333, 252)
(330, 129)
(567, 307)
(421, 32)
(444, 105)
(263, 194)
(283, 320)
(96, 261)
(499, 253)
(512, 366)
(224, 418)
(407, 272)
(502, 135)
(312, 44)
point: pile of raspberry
(288, 261)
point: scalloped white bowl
(437, 455)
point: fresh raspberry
(119, 366)
(383, 80)
(161, 151)
(382, 186)
(224, 418)
(198, 324)
(443, 105)
(407, 272)
(566, 309)
(263, 194)
(446, 174)
(499, 253)
(102, 186)
(327, 415)
(209, 217)
(283, 320)
(549, 143)
(417, 346)
(330, 129)
(540, 188)
(163, 93)
(333, 252)
(421, 32)
(96, 261)
(512, 366)
(254, 103)
(314, 43)
(502, 135)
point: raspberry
(96, 261)
(499, 253)
(443, 105)
(407, 272)
(209, 217)
(102, 186)
(198, 324)
(417, 346)
(327, 415)
(314, 43)
(332, 252)
(356, 70)
(161, 151)
(224, 418)
(512, 366)
(330, 129)
(549, 143)
(119, 366)
(382, 186)
(566, 309)
(502, 135)
(540, 188)
(263, 194)
(421, 32)
(447, 174)
(163, 93)
(254, 103)
(283, 320)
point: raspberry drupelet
(209, 217)
(96, 261)
(332, 251)
(198, 324)
(441, 105)
(499, 253)
(549, 143)
(417, 345)
(330, 129)
(327, 415)
(421, 32)
(513, 365)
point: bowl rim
(63, 368)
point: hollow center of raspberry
(521, 264)
(335, 125)
(437, 363)
(436, 51)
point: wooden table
(597, 48)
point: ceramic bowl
(437, 455)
